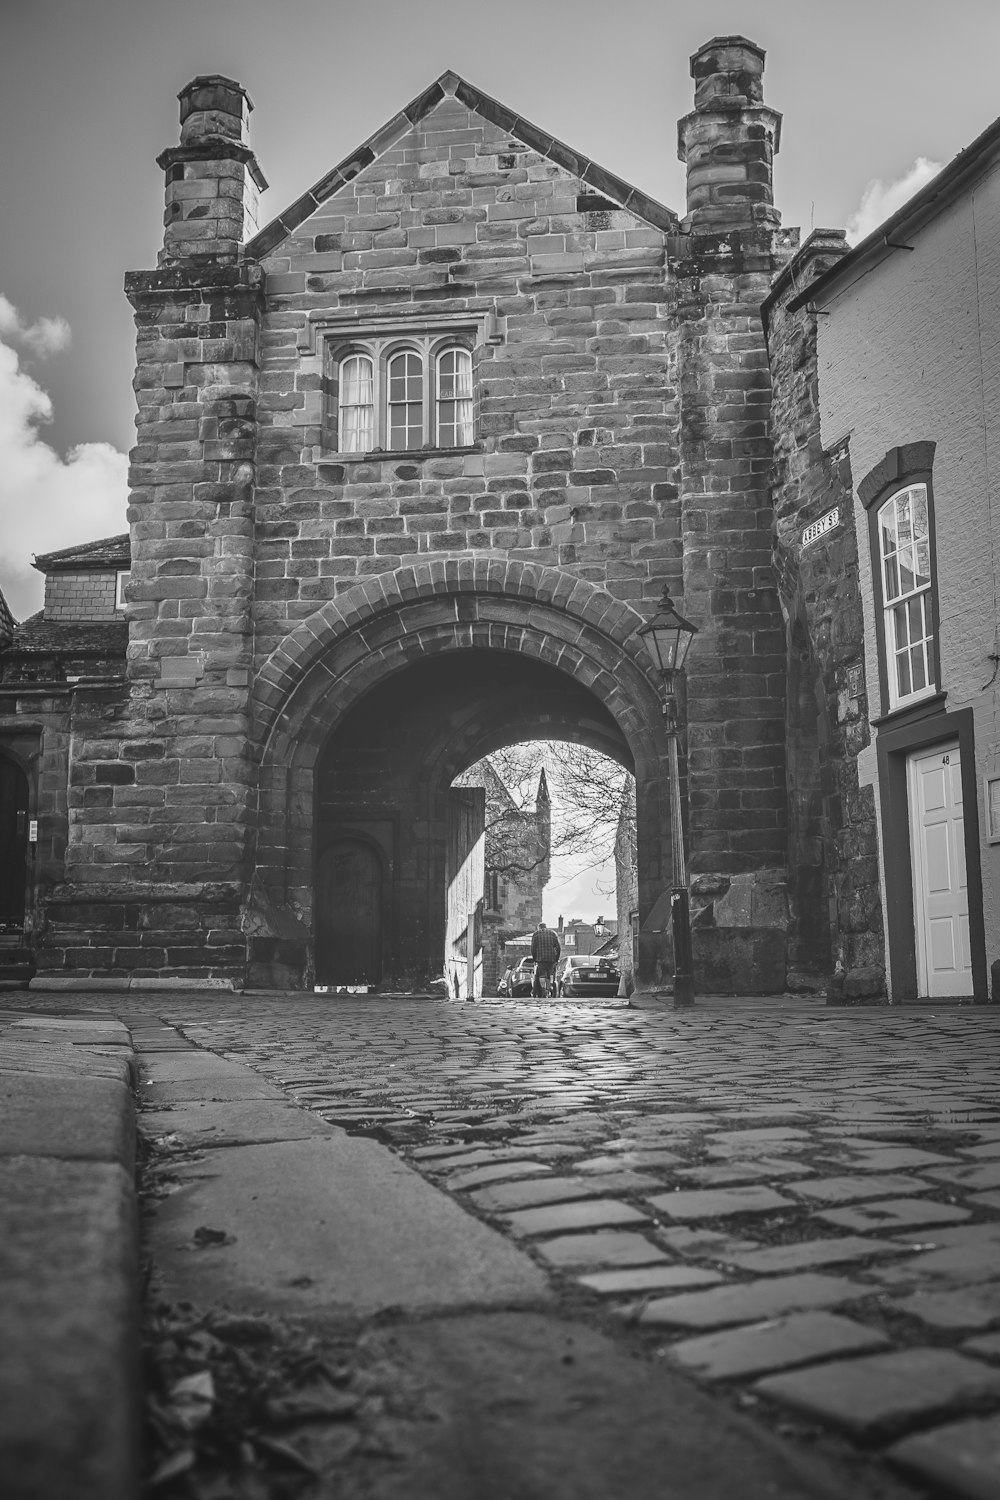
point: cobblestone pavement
(798, 1206)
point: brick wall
(87, 595)
(922, 330)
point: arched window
(357, 404)
(905, 557)
(406, 400)
(453, 424)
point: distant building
(516, 864)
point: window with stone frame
(908, 605)
(397, 394)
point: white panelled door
(940, 892)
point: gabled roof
(109, 552)
(604, 183)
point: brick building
(886, 383)
(414, 464)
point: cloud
(47, 336)
(879, 201)
(47, 501)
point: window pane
(919, 502)
(903, 687)
(406, 401)
(454, 398)
(918, 667)
(923, 562)
(892, 589)
(357, 410)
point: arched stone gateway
(375, 704)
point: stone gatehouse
(414, 463)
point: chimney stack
(212, 177)
(729, 141)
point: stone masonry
(834, 849)
(620, 442)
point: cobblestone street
(797, 1206)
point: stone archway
(372, 648)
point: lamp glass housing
(668, 636)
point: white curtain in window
(357, 404)
(454, 399)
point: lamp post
(667, 638)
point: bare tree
(588, 792)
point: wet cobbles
(792, 1203)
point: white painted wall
(908, 352)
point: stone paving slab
(806, 1254)
(751, 1301)
(375, 1236)
(58, 1059)
(895, 1213)
(851, 1189)
(596, 1213)
(710, 1244)
(962, 1459)
(625, 1159)
(499, 1172)
(601, 1248)
(964, 1308)
(720, 1173)
(974, 1178)
(884, 1394)
(719, 1204)
(782, 1343)
(649, 1279)
(209, 1122)
(68, 1336)
(543, 1190)
(69, 1117)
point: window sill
(911, 713)
(396, 455)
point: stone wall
(833, 849)
(620, 443)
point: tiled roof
(603, 182)
(109, 552)
(37, 636)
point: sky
(875, 94)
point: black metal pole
(680, 910)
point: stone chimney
(212, 177)
(729, 141)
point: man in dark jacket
(545, 950)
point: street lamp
(667, 638)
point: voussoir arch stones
(396, 618)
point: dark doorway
(13, 847)
(349, 914)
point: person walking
(545, 950)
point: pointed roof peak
(450, 84)
(543, 788)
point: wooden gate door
(13, 846)
(349, 925)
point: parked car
(517, 979)
(586, 974)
